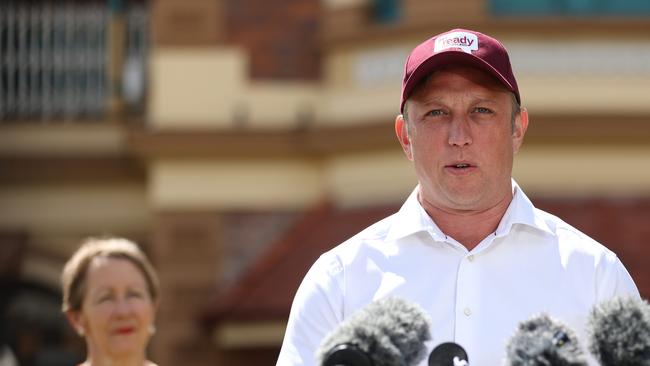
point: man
(467, 245)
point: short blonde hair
(73, 278)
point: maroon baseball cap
(461, 47)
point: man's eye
(436, 112)
(482, 110)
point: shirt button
(470, 258)
(467, 311)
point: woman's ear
(156, 305)
(401, 130)
(76, 322)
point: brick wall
(281, 37)
(187, 254)
(195, 253)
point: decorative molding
(351, 25)
(249, 335)
(315, 142)
(321, 142)
(44, 170)
(188, 23)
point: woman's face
(117, 312)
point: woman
(110, 296)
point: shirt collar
(412, 218)
(521, 211)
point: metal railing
(71, 61)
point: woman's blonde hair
(73, 278)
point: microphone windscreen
(543, 341)
(390, 331)
(445, 353)
(346, 355)
(619, 332)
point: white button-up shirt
(533, 263)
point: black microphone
(543, 341)
(448, 354)
(619, 332)
(387, 332)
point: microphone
(448, 354)
(543, 341)
(386, 332)
(619, 332)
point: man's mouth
(461, 168)
(460, 165)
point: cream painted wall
(589, 94)
(230, 184)
(383, 177)
(344, 66)
(349, 180)
(582, 171)
(202, 88)
(195, 87)
(95, 209)
(280, 105)
(359, 106)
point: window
(386, 11)
(571, 7)
(55, 60)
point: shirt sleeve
(614, 280)
(315, 312)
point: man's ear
(76, 321)
(521, 125)
(401, 130)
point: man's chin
(466, 196)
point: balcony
(72, 62)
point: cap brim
(446, 58)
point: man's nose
(459, 132)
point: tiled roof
(266, 290)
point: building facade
(236, 140)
